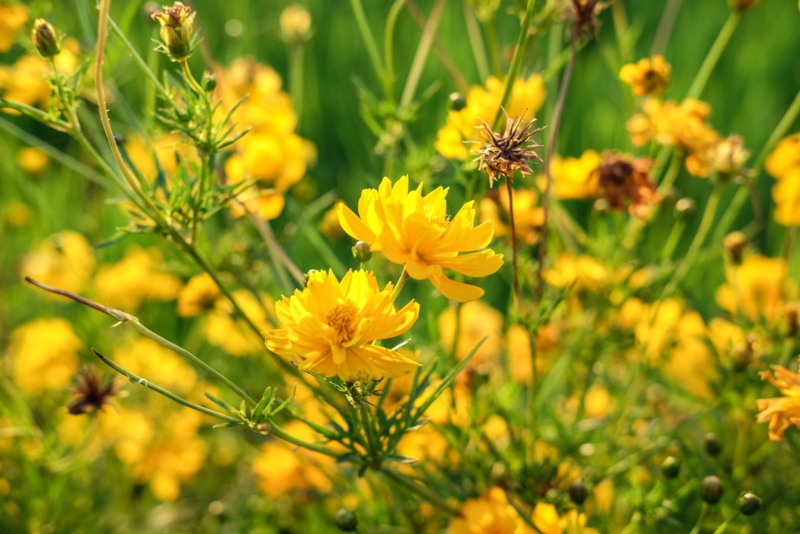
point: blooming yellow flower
(137, 278)
(64, 260)
(32, 160)
(329, 326)
(489, 514)
(786, 194)
(12, 19)
(414, 230)
(781, 412)
(648, 76)
(757, 288)
(44, 355)
(574, 177)
(547, 521)
(477, 320)
(198, 295)
(527, 96)
(785, 158)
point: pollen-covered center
(341, 318)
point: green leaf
(222, 404)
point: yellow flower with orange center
(330, 325)
(781, 412)
(414, 230)
(648, 76)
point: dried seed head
(583, 15)
(90, 395)
(624, 183)
(504, 153)
(176, 30)
(44, 39)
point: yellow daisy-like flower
(648, 76)
(329, 326)
(414, 230)
(785, 158)
(781, 412)
(574, 177)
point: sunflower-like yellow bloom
(414, 230)
(781, 412)
(329, 326)
(648, 76)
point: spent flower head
(90, 394)
(176, 30)
(502, 154)
(625, 183)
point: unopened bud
(734, 244)
(685, 208)
(712, 445)
(44, 39)
(741, 5)
(457, 101)
(362, 252)
(748, 503)
(601, 206)
(671, 467)
(209, 82)
(711, 489)
(295, 24)
(792, 314)
(176, 30)
(346, 520)
(578, 492)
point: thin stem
(388, 41)
(271, 241)
(296, 78)
(139, 61)
(714, 54)
(514, 266)
(703, 515)
(158, 389)
(282, 434)
(421, 491)
(673, 239)
(421, 54)
(399, 285)
(697, 242)
(126, 318)
(189, 77)
(491, 46)
(665, 26)
(562, 94)
(369, 40)
(476, 41)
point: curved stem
(421, 54)
(369, 40)
(285, 436)
(714, 54)
(513, 228)
(665, 26)
(703, 514)
(399, 285)
(420, 491)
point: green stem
(369, 42)
(139, 61)
(513, 228)
(703, 515)
(516, 63)
(421, 55)
(296, 79)
(189, 77)
(714, 54)
(673, 239)
(399, 285)
(158, 389)
(388, 41)
(788, 350)
(491, 46)
(476, 41)
(665, 26)
(724, 526)
(697, 242)
(282, 434)
(420, 491)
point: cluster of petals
(784, 164)
(781, 412)
(328, 327)
(413, 230)
(648, 76)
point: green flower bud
(578, 492)
(176, 30)
(685, 208)
(346, 521)
(748, 503)
(712, 445)
(457, 101)
(44, 39)
(362, 252)
(711, 489)
(209, 82)
(670, 467)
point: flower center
(340, 318)
(433, 218)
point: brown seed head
(504, 153)
(624, 183)
(90, 395)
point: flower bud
(792, 315)
(295, 24)
(712, 445)
(209, 82)
(748, 503)
(734, 244)
(362, 252)
(44, 39)
(601, 206)
(346, 520)
(457, 101)
(685, 208)
(578, 492)
(711, 489)
(742, 5)
(176, 30)
(670, 467)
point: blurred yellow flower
(197, 296)
(547, 521)
(32, 160)
(224, 329)
(330, 325)
(476, 321)
(758, 288)
(329, 225)
(785, 157)
(137, 278)
(43, 355)
(528, 216)
(786, 194)
(27, 81)
(16, 214)
(489, 514)
(527, 96)
(12, 19)
(648, 76)
(414, 230)
(781, 412)
(581, 273)
(64, 260)
(574, 177)
(518, 347)
(144, 357)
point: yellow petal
(457, 291)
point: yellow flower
(477, 320)
(781, 412)
(528, 216)
(786, 193)
(224, 329)
(12, 19)
(198, 295)
(414, 230)
(574, 177)
(785, 158)
(757, 288)
(527, 96)
(64, 260)
(32, 160)
(547, 521)
(648, 76)
(489, 514)
(44, 355)
(329, 326)
(137, 278)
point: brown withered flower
(90, 395)
(624, 182)
(583, 15)
(504, 153)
